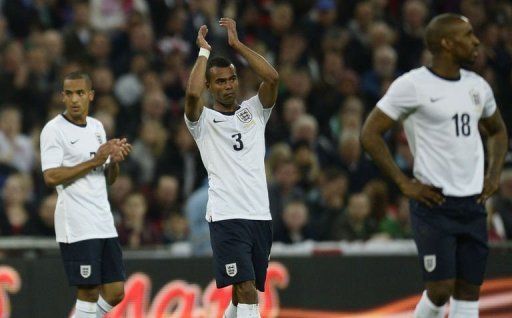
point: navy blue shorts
(93, 262)
(451, 239)
(241, 251)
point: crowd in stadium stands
(335, 58)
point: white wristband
(204, 52)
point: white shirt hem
(86, 237)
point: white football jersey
(440, 118)
(83, 211)
(232, 148)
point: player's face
(465, 43)
(77, 96)
(224, 84)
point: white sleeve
(262, 112)
(401, 98)
(196, 127)
(489, 101)
(52, 154)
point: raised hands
(230, 26)
(201, 38)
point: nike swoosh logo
(433, 100)
(74, 141)
(218, 121)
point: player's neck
(445, 68)
(225, 108)
(82, 120)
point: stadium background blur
(335, 60)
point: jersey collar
(451, 79)
(228, 113)
(79, 125)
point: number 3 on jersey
(239, 145)
(462, 124)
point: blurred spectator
(295, 227)
(107, 104)
(283, 188)
(355, 223)
(281, 22)
(44, 224)
(378, 192)
(501, 207)
(358, 55)
(25, 16)
(16, 149)
(103, 81)
(78, 33)
(381, 35)
(375, 82)
(165, 199)
(277, 154)
(174, 78)
(292, 50)
(305, 129)
(108, 123)
(397, 225)
(15, 211)
(410, 41)
(113, 15)
(183, 160)
(327, 201)
(134, 231)
(348, 118)
(99, 50)
(321, 18)
(129, 87)
(53, 45)
(352, 159)
(293, 108)
(154, 107)
(118, 192)
(175, 229)
(147, 149)
(195, 212)
(307, 163)
(13, 73)
(298, 82)
(326, 88)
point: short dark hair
(438, 28)
(217, 61)
(79, 75)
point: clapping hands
(120, 148)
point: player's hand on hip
(201, 38)
(230, 26)
(426, 194)
(490, 186)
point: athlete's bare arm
(121, 149)
(268, 89)
(497, 139)
(62, 175)
(196, 81)
(374, 128)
